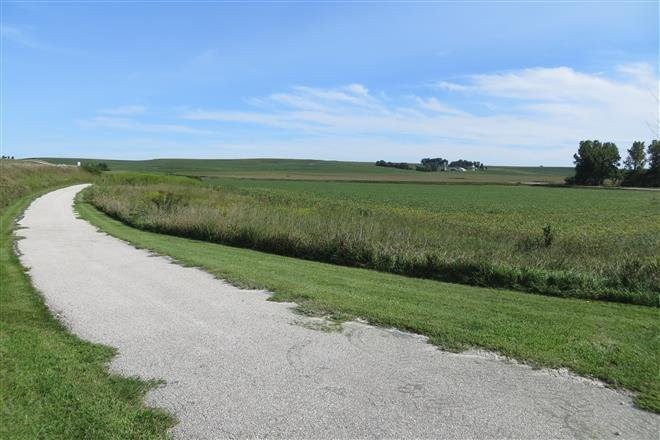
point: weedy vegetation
(19, 178)
(581, 243)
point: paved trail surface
(237, 365)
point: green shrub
(95, 168)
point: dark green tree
(636, 157)
(596, 162)
(654, 156)
(652, 176)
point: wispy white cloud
(24, 36)
(451, 86)
(542, 111)
(206, 57)
(527, 116)
(134, 125)
(643, 73)
(20, 36)
(559, 84)
(435, 105)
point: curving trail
(237, 365)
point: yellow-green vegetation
(297, 169)
(19, 178)
(52, 384)
(617, 343)
(583, 243)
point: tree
(429, 164)
(654, 156)
(652, 176)
(95, 168)
(596, 162)
(636, 157)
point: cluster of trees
(400, 165)
(597, 162)
(429, 164)
(462, 163)
(95, 168)
(636, 173)
(433, 164)
(7, 157)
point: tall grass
(399, 239)
(19, 178)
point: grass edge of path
(637, 321)
(52, 383)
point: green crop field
(601, 244)
(325, 170)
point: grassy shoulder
(52, 384)
(614, 342)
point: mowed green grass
(52, 384)
(604, 244)
(617, 343)
(297, 169)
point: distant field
(326, 170)
(600, 244)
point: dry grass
(18, 178)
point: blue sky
(504, 83)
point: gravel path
(237, 365)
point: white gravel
(237, 365)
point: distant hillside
(324, 170)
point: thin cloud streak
(22, 37)
(536, 109)
(19, 36)
(133, 125)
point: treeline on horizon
(595, 163)
(433, 164)
(599, 162)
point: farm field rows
(295, 169)
(600, 244)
